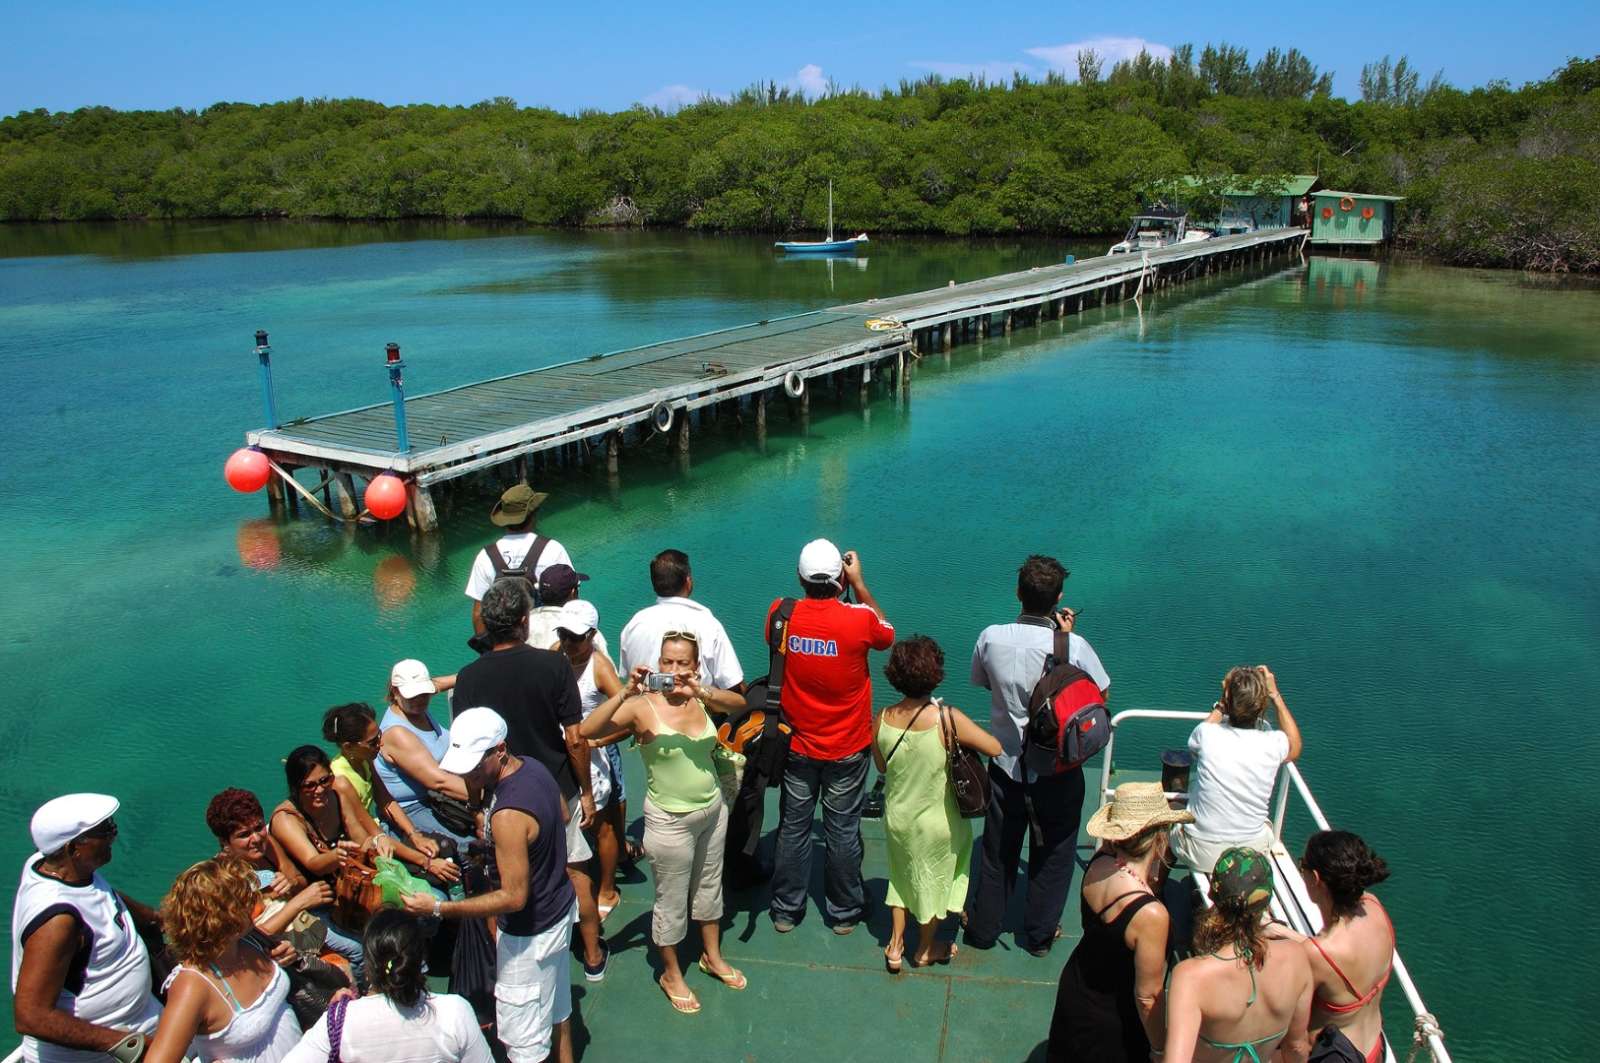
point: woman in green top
(685, 819)
(354, 729)
(1247, 990)
(930, 843)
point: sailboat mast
(830, 209)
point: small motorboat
(1159, 227)
(830, 245)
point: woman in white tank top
(227, 1000)
(597, 680)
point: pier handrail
(1426, 1026)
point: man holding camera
(827, 700)
(1047, 806)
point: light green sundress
(930, 842)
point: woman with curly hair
(1355, 948)
(399, 1020)
(930, 842)
(226, 999)
(1243, 994)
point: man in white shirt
(1008, 661)
(675, 610)
(516, 512)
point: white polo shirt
(1008, 661)
(542, 629)
(513, 548)
(641, 640)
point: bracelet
(436, 905)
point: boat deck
(814, 994)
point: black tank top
(1096, 1016)
(533, 790)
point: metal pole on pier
(264, 353)
(397, 392)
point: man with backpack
(519, 552)
(826, 695)
(1034, 795)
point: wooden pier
(590, 410)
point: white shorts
(533, 988)
(578, 850)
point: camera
(660, 682)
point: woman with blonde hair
(1236, 764)
(1243, 995)
(227, 999)
(1109, 999)
(930, 842)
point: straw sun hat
(1134, 808)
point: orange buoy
(1347, 204)
(1367, 213)
(386, 496)
(1327, 212)
(247, 470)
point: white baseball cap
(472, 734)
(410, 679)
(821, 562)
(63, 819)
(578, 616)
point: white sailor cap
(63, 819)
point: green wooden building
(1246, 209)
(1351, 218)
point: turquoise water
(1377, 478)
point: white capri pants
(685, 851)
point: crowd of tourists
(487, 845)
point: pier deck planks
(512, 414)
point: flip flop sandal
(682, 1005)
(736, 980)
(893, 963)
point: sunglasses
(317, 784)
(108, 829)
(687, 636)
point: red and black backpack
(1067, 717)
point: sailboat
(800, 247)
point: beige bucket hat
(1134, 808)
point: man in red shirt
(827, 700)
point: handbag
(355, 895)
(969, 780)
(453, 814)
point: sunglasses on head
(686, 636)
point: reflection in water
(394, 581)
(258, 545)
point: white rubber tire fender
(661, 416)
(794, 385)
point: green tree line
(1494, 175)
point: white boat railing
(1426, 1027)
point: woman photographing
(685, 819)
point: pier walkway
(580, 410)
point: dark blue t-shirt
(532, 789)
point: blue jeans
(342, 942)
(842, 785)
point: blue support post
(397, 392)
(264, 353)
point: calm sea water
(1380, 479)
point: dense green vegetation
(1493, 175)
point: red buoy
(386, 496)
(247, 470)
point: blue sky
(570, 56)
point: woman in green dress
(930, 843)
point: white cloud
(811, 81)
(1064, 57)
(998, 70)
(672, 97)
